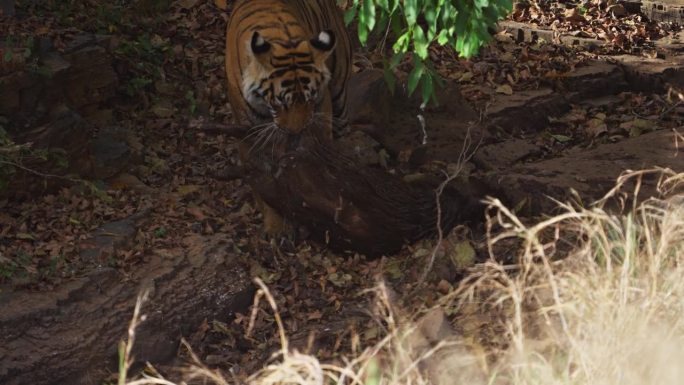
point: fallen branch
(234, 130)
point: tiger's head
(287, 79)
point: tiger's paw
(278, 230)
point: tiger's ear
(324, 42)
(259, 45)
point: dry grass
(596, 298)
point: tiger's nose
(295, 119)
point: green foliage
(17, 51)
(192, 101)
(8, 152)
(160, 232)
(461, 24)
(143, 53)
(145, 57)
(13, 156)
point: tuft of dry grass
(597, 297)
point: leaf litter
(320, 293)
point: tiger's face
(287, 80)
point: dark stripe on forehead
(290, 64)
(289, 44)
(283, 71)
(290, 55)
(254, 12)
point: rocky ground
(566, 97)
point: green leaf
(420, 42)
(428, 88)
(396, 59)
(396, 22)
(430, 15)
(384, 5)
(443, 37)
(363, 33)
(367, 15)
(461, 24)
(349, 14)
(411, 11)
(415, 75)
(402, 43)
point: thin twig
(38, 173)
(125, 348)
(464, 156)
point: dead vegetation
(606, 310)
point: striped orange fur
(287, 63)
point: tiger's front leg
(275, 225)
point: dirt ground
(555, 104)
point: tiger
(287, 67)
(287, 63)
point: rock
(594, 79)
(79, 147)
(525, 33)
(110, 153)
(55, 65)
(503, 155)
(664, 10)
(591, 173)
(652, 74)
(525, 111)
(66, 131)
(109, 237)
(528, 111)
(81, 78)
(92, 79)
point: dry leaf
(596, 127)
(462, 255)
(504, 89)
(573, 16)
(188, 189)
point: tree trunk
(70, 335)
